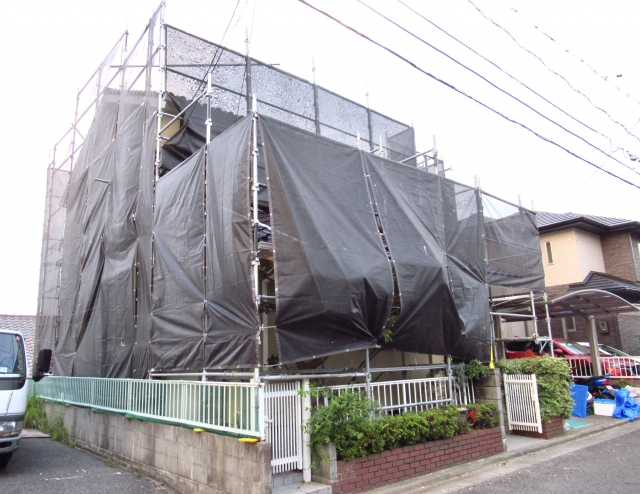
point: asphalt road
(606, 462)
(43, 466)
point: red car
(578, 356)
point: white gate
(523, 408)
(283, 417)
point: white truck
(14, 389)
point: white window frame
(549, 252)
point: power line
(459, 91)
(505, 72)
(551, 70)
(410, 33)
(581, 60)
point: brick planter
(550, 429)
(400, 464)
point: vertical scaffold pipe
(368, 373)
(208, 122)
(450, 378)
(254, 198)
(548, 319)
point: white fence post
(306, 437)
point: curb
(437, 478)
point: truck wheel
(4, 459)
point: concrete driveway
(43, 466)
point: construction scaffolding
(203, 189)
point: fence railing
(615, 367)
(413, 395)
(226, 406)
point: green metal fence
(230, 407)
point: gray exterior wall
(189, 461)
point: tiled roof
(627, 289)
(547, 221)
(26, 325)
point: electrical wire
(512, 77)
(602, 164)
(581, 60)
(459, 91)
(552, 71)
(550, 120)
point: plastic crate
(604, 407)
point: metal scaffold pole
(548, 319)
(450, 378)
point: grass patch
(35, 417)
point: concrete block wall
(189, 461)
(490, 390)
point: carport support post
(593, 346)
(306, 437)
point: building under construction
(207, 212)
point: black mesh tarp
(333, 279)
(512, 245)
(335, 259)
(178, 332)
(444, 305)
(232, 316)
(205, 314)
(97, 333)
(408, 202)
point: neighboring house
(26, 325)
(592, 252)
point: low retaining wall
(404, 463)
(189, 461)
(550, 429)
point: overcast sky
(50, 48)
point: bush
(349, 421)
(476, 369)
(553, 377)
(35, 417)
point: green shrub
(553, 377)
(35, 417)
(476, 369)
(483, 415)
(349, 421)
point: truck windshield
(11, 355)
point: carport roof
(581, 303)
